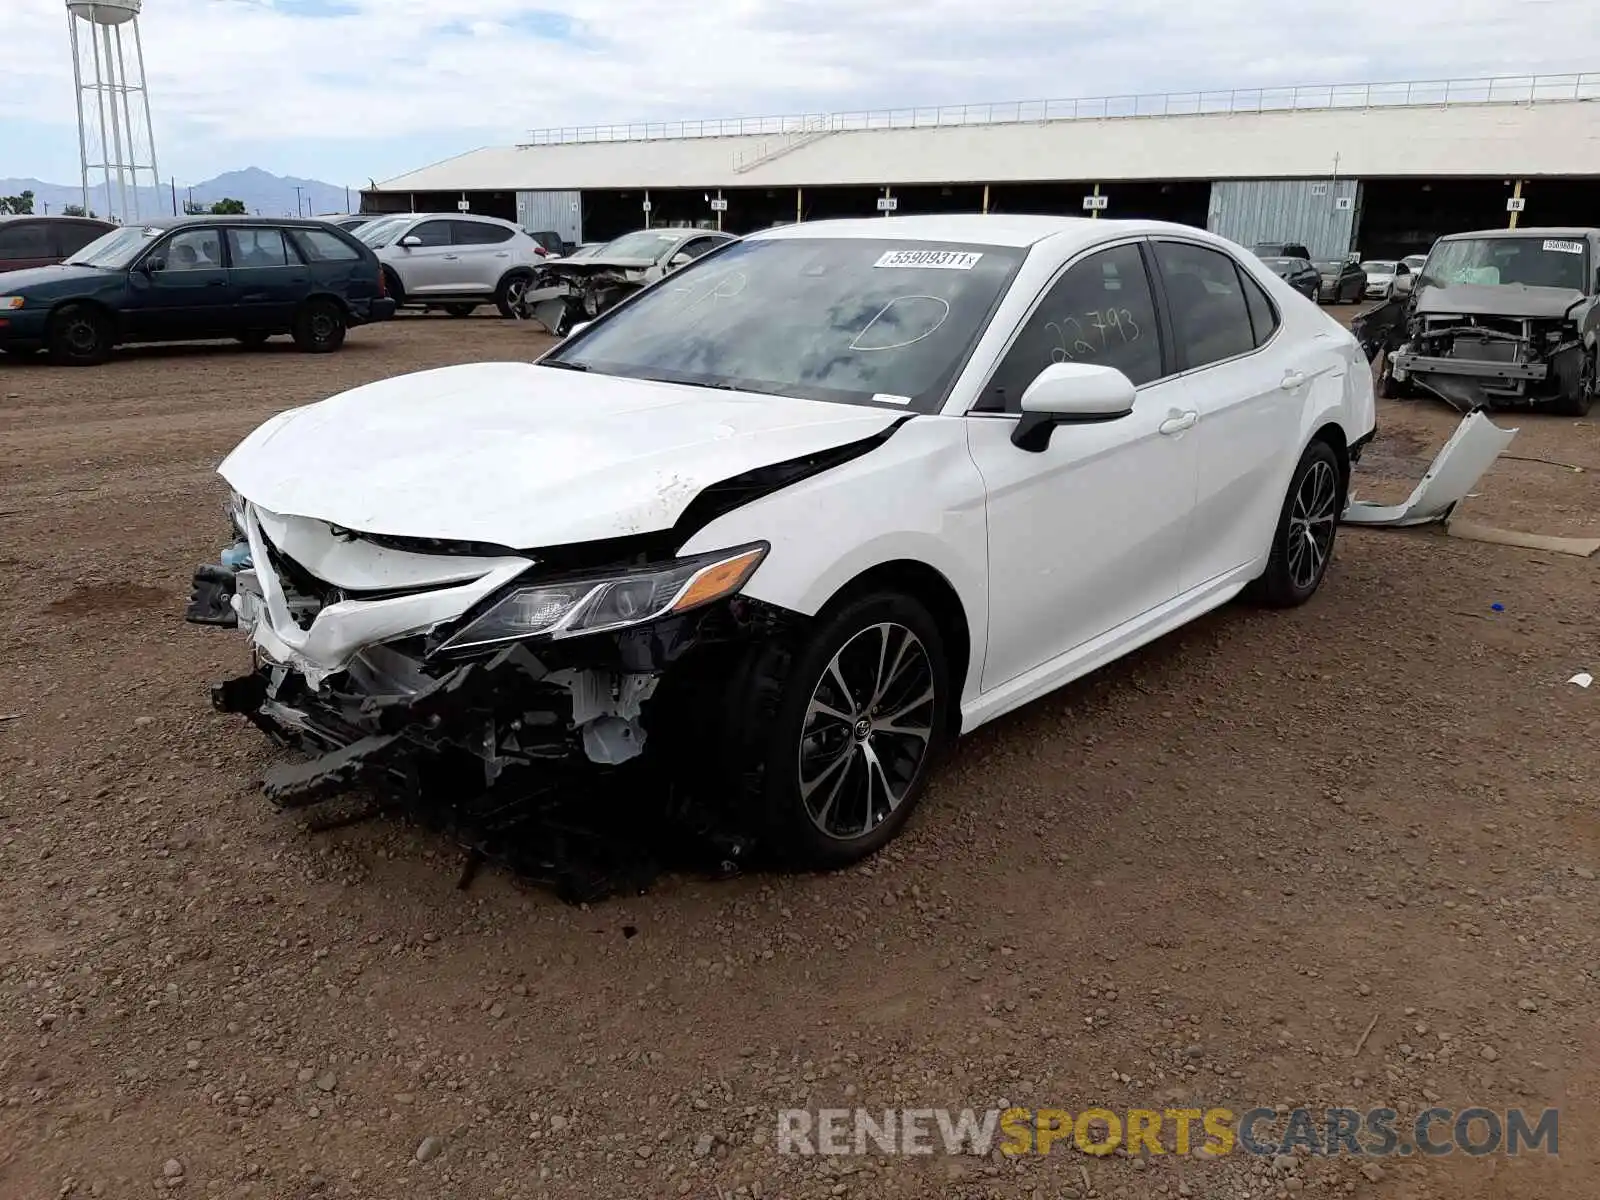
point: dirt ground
(1196, 877)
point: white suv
(453, 261)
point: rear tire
(319, 326)
(79, 336)
(508, 296)
(460, 310)
(1308, 525)
(831, 740)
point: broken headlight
(563, 608)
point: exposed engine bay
(496, 736)
(565, 293)
(1474, 361)
(1502, 319)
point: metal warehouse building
(1379, 168)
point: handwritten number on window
(1111, 326)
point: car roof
(52, 217)
(993, 229)
(1560, 231)
(221, 219)
(445, 216)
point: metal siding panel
(560, 211)
(1285, 210)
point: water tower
(115, 137)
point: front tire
(460, 310)
(1575, 379)
(508, 296)
(1302, 543)
(79, 336)
(835, 737)
(319, 326)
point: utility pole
(347, 197)
(173, 180)
(297, 190)
(191, 198)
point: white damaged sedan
(785, 523)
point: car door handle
(502, 254)
(1177, 422)
(216, 283)
(1292, 380)
(450, 257)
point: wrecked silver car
(1500, 318)
(571, 290)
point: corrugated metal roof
(1548, 138)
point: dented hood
(1500, 300)
(519, 455)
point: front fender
(917, 497)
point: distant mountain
(270, 195)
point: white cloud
(227, 75)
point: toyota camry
(785, 523)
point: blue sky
(350, 90)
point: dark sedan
(1343, 281)
(192, 278)
(1298, 273)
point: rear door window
(1210, 317)
(479, 233)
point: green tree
(228, 208)
(72, 210)
(17, 205)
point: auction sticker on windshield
(942, 260)
(1564, 247)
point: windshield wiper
(563, 364)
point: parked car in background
(30, 241)
(1340, 281)
(1500, 317)
(1383, 277)
(453, 261)
(190, 278)
(782, 510)
(551, 242)
(1298, 273)
(577, 288)
(349, 221)
(1414, 262)
(1280, 250)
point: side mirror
(151, 265)
(1403, 284)
(1070, 394)
(681, 258)
(579, 328)
(410, 240)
